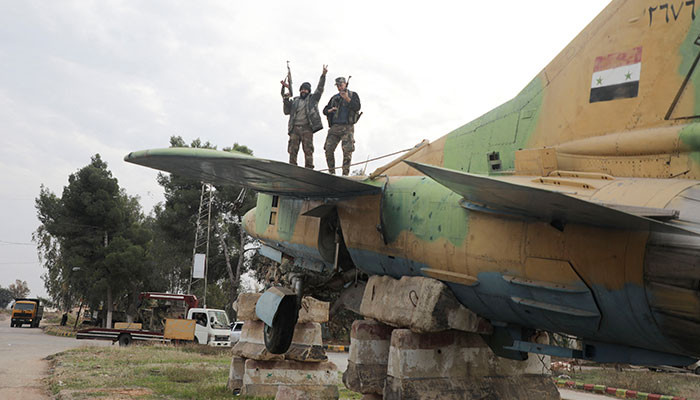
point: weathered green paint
(690, 136)
(289, 211)
(262, 213)
(504, 129)
(688, 51)
(425, 208)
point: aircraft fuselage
(607, 285)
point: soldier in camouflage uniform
(342, 112)
(304, 120)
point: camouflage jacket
(344, 109)
(314, 117)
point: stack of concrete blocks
(368, 358)
(303, 372)
(428, 346)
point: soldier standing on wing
(304, 119)
(342, 112)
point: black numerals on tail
(675, 10)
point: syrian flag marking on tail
(616, 76)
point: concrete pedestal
(301, 373)
(459, 365)
(307, 343)
(368, 358)
(292, 378)
(235, 374)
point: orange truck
(26, 311)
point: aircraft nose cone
(249, 222)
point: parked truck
(176, 317)
(26, 311)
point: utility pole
(200, 251)
(110, 302)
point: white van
(212, 326)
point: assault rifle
(357, 115)
(287, 82)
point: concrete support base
(301, 373)
(290, 379)
(307, 344)
(368, 358)
(235, 374)
(496, 388)
(459, 365)
(421, 304)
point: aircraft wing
(487, 194)
(234, 168)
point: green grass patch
(665, 383)
(344, 392)
(141, 372)
(146, 372)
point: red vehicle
(168, 306)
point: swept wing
(493, 195)
(234, 168)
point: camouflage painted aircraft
(572, 208)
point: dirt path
(22, 360)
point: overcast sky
(109, 77)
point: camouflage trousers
(301, 134)
(336, 134)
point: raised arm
(321, 84)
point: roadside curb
(50, 330)
(623, 393)
(336, 348)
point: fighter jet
(573, 208)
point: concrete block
(307, 343)
(262, 378)
(369, 342)
(453, 354)
(313, 310)
(308, 333)
(245, 306)
(501, 388)
(306, 353)
(420, 304)
(365, 378)
(252, 343)
(368, 358)
(305, 392)
(235, 374)
(459, 365)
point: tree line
(100, 249)
(16, 290)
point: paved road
(567, 394)
(339, 359)
(22, 364)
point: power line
(17, 243)
(24, 262)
